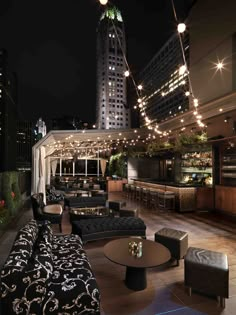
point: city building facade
(25, 139)
(164, 86)
(112, 111)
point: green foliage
(11, 192)
(4, 217)
(178, 144)
(117, 165)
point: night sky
(52, 48)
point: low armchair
(42, 212)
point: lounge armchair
(42, 212)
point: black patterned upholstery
(92, 229)
(48, 274)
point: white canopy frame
(46, 152)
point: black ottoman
(208, 272)
(176, 241)
(93, 229)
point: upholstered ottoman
(176, 241)
(208, 272)
(93, 229)
(128, 212)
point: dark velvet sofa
(100, 228)
(48, 274)
(86, 202)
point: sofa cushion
(84, 202)
(24, 288)
(72, 280)
(23, 246)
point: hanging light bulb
(181, 27)
(140, 87)
(103, 2)
(195, 102)
(182, 69)
(126, 73)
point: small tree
(118, 165)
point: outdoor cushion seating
(93, 229)
(85, 202)
(207, 271)
(48, 274)
(42, 212)
(176, 241)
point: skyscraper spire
(111, 111)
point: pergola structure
(80, 144)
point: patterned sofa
(48, 274)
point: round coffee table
(153, 254)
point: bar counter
(187, 197)
(225, 199)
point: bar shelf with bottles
(196, 168)
(228, 166)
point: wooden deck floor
(165, 293)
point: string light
(183, 71)
(103, 2)
(181, 27)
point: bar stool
(166, 200)
(153, 201)
(146, 196)
(126, 191)
(132, 191)
(138, 193)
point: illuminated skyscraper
(164, 85)
(112, 111)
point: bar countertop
(165, 183)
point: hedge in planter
(11, 192)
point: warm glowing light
(126, 73)
(187, 93)
(182, 69)
(103, 2)
(195, 102)
(219, 65)
(139, 100)
(220, 110)
(181, 27)
(140, 87)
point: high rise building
(25, 139)
(164, 86)
(41, 128)
(8, 114)
(112, 111)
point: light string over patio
(90, 144)
(183, 77)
